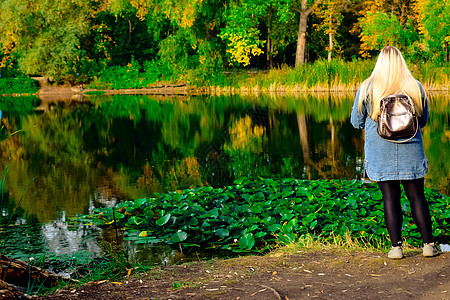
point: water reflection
(75, 156)
(59, 239)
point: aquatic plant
(253, 216)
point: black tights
(393, 212)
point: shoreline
(77, 93)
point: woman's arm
(423, 119)
(358, 119)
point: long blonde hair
(389, 76)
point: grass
(346, 242)
(321, 75)
(337, 75)
(114, 265)
(94, 92)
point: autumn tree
(330, 12)
(389, 22)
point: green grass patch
(97, 93)
(255, 216)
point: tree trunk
(302, 27)
(269, 41)
(330, 37)
(301, 38)
(447, 56)
(269, 50)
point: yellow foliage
(141, 7)
(243, 134)
(418, 8)
(241, 48)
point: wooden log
(19, 273)
(8, 291)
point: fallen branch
(8, 291)
(20, 273)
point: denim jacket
(386, 160)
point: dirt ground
(327, 274)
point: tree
(241, 32)
(330, 12)
(381, 29)
(44, 34)
(188, 38)
(436, 29)
(304, 8)
(252, 25)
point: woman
(394, 164)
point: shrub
(20, 85)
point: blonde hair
(389, 76)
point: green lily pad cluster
(252, 216)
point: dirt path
(325, 274)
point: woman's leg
(419, 207)
(393, 215)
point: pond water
(72, 156)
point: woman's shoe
(396, 252)
(429, 250)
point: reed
(323, 76)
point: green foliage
(381, 29)
(437, 25)
(130, 76)
(20, 85)
(177, 54)
(94, 93)
(45, 34)
(256, 215)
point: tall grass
(337, 75)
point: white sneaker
(429, 250)
(396, 252)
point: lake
(72, 156)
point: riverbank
(289, 273)
(78, 93)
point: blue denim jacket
(386, 160)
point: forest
(77, 41)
